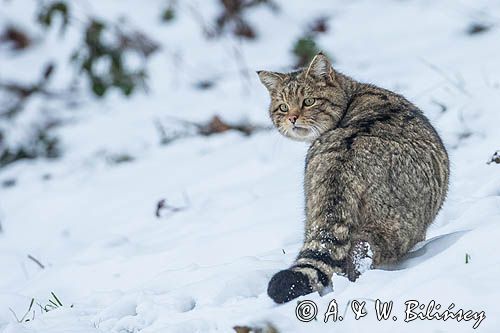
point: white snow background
(206, 268)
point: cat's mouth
(300, 130)
(303, 132)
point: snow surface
(205, 268)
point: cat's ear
(320, 66)
(270, 79)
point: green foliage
(100, 59)
(306, 46)
(42, 144)
(111, 53)
(53, 303)
(168, 14)
(47, 13)
(305, 49)
(95, 49)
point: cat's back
(375, 115)
(385, 144)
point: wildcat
(376, 174)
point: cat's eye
(283, 107)
(309, 101)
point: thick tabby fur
(376, 173)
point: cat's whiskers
(316, 128)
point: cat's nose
(292, 119)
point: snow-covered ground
(116, 267)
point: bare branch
(36, 261)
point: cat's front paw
(287, 285)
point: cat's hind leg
(359, 259)
(381, 243)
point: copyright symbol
(306, 311)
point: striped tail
(311, 271)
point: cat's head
(305, 103)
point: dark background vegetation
(107, 42)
